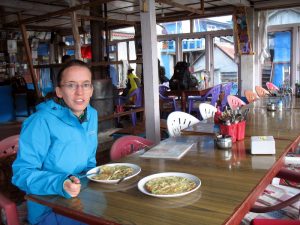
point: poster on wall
(242, 31)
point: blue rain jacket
(53, 145)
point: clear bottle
(280, 104)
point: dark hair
(66, 58)
(73, 62)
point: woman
(57, 143)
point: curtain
(263, 36)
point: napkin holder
(262, 145)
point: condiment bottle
(217, 116)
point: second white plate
(136, 171)
(142, 182)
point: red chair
(8, 148)
(272, 87)
(126, 145)
(234, 102)
(10, 214)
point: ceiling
(54, 15)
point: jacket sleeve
(28, 173)
(92, 158)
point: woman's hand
(72, 186)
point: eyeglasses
(75, 86)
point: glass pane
(177, 27)
(194, 53)
(280, 59)
(225, 68)
(132, 54)
(166, 54)
(212, 23)
(284, 16)
(122, 51)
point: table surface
(231, 180)
(282, 124)
(288, 103)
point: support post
(150, 68)
(29, 57)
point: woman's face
(76, 88)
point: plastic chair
(226, 89)
(124, 101)
(21, 91)
(126, 145)
(214, 93)
(235, 102)
(261, 92)
(9, 209)
(250, 96)
(8, 147)
(167, 99)
(272, 87)
(178, 121)
(207, 111)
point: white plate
(136, 171)
(142, 182)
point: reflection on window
(166, 54)
(122, 51)
(194, 53)
(225, 67)
(212, 23)
(284, 16)
(177, 27)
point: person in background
(58, 143)
(113, 74)
(162, 74)
(133, 82)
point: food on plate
(113, 172)
(169, 185)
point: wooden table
(282, 124)
(293, 103)
(231, 181)
(202, 128)
(184, 94)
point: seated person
(162, 74)
(133, 82)
(48, 160)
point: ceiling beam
(177, 5)
(238, 2)
(23, 5)
(63, 11)
(217, 11)
(132, 23)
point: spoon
(120, 180)
(90, 174)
